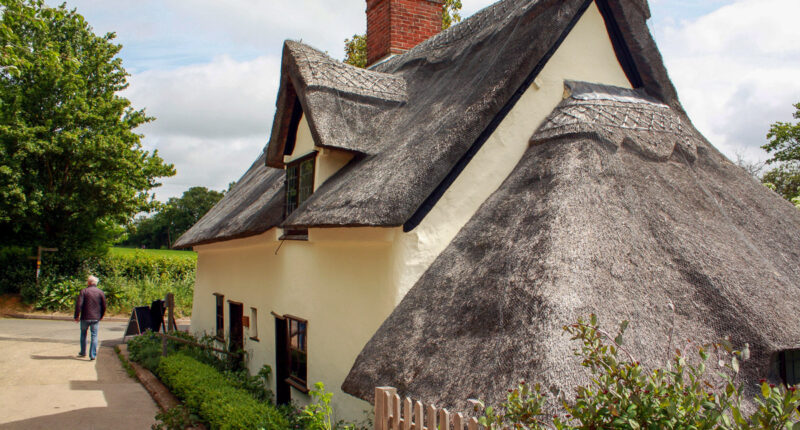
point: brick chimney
(395, 26)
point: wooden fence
(415, 415)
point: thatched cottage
(432, 221)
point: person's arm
(78, 305)
(102, 304)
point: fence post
(170, 312)
(163, 346)
(383, 406)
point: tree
(355, 49)
(72, 171)
(784, 146)
(173, 219)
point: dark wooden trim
(294, 122)
(620, 47)
(465, 159)
(297, 384)
(218, 294)
(296, 319)
(235, 302)
(279, 316)
(305, 157)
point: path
(44, 385)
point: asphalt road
(44, 385)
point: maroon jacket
(91, 304)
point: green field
(154, 252)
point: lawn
(155, 252)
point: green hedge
(206, 391)
(129, 279)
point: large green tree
(784, 148)
(355, 49)
(173, 219)
(72, 170)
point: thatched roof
(416, 120)
(414, 139)
(618, 208)
(253, 206)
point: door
(283, 394)
(236, 329)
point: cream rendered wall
(346, 281)
(329, 161)
(585, 55)
(338, 280)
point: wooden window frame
(293, 380)
(296, 164)
(219, 306)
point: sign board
(139, 322)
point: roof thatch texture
(457, 86)
(253, 206)
(618, 208)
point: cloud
(736, 70)
(212, 119)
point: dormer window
(299, 181)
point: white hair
(92, 280)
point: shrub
(128, 280)
(625, 396)
(206, 391)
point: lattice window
(299, 181)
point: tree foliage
(72, 171)
(355, 49)
(173, 219)
(784, 148)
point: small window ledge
(255, 339)
(297, 385)
(294, 237)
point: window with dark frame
(299, 181)
(790, 367)
(220, 315)
(298, 356)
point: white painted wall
(338, 281)
(346, 281)
(585, 55)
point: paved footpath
(45, 385)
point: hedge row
(206, 391)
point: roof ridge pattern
(321, 71)
(614, 114)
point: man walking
(89, 310)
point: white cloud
(736, 70)
(212, 119)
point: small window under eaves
(790, 366)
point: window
(298, 355)
(299, 181)
(220, 316)
(790, 366)
(253, 323)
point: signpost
(38, 259)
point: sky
(208, 70)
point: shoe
(81, 355)
(91, 359)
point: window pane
(301, 335)
(291, 189)
(792, 367)
(306, 186)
